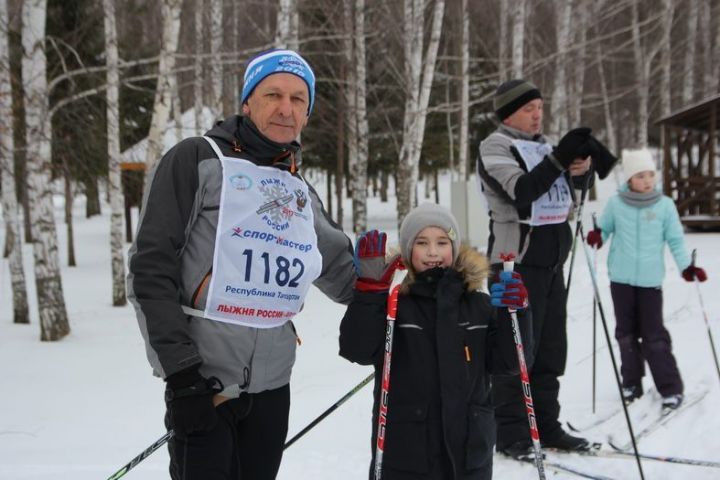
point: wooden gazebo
(690, 162)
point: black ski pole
(162, 440)
(327, 412)
(578, 226)
(593, 276)
(704, 312)
(145, 453)
(594, 323)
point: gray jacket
(171, 260)
(510, 190)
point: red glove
(374, 274)
(594, 238)
(692, 272)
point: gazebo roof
(695, 117)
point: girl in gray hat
(448, 340)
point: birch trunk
(577, 90)
(117, 259)
(287, 30)
(13, 241)
(361, 165)
(518, 38)
(691, 39)
(351, 86)
(609, 124)
(418, 81)
(666, 60)
(558, 102)
(464, 92)
(162, 104)
(216, 66)
(502, 41)
(197, 64)
(48, 282)
(642, 74)
(715, 86)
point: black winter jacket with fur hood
(448, 340)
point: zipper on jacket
(200, 288)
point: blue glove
(509, 292)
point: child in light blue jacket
(641, 220)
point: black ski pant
(546, 362)
(246, 444)
(642, 337)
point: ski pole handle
(594, 220)
(693, 257)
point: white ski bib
(554, 206)
(266, 253)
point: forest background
(404, 89)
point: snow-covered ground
(83, 407)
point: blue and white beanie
(277, 61)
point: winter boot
(632, 393)
(568, 443)
(671, 402)
(522, 450)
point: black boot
(631, 393)
(567, 442)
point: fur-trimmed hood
(471, 264)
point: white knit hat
(636, 161)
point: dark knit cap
(510, 96)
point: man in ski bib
(527, 184)
(229, 241)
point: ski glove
(692, 272)
(603, 161)
(374, 274)
(189, 399)
(574, 144)
(594, 238)
(509, 291)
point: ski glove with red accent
(189, 399)
(509, 291)
(692, 272)
(374, 273)
(594, 238)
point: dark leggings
(246, 444)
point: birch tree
(666, 59)
(691, 39)
(577, 85)
(502, 42)
(518, 38)
(198, 66)
(163, 91)
(288, 22)
(558, 103)
(48, 282)
(419, 73)
(7, 170)
(464, 91)
(356, 112)
(644, 51)
(117, 260)
(216, 66)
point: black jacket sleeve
(535, 183)
(362, 330)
